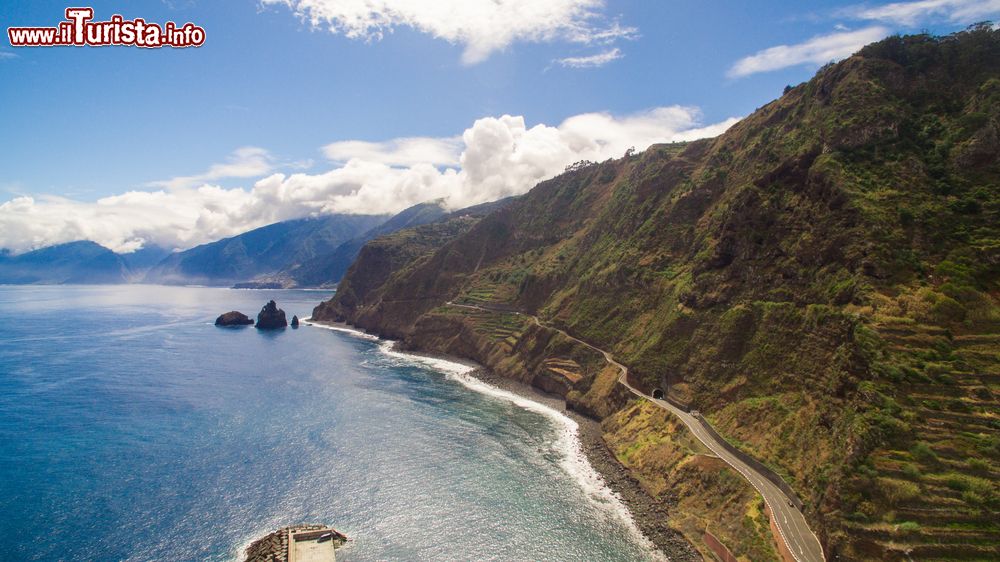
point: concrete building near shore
(298, 543)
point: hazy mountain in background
(298, 253)
(328, 269)
(80, 262)
(141, 261)
(260, 252)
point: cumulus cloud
(600, 59)
(399, 152)
(125, 222)
(494, 158)
(245, 162)
(843, 43)
(480, 26)
(817, 51)
(910, 14)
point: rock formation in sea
(233, 318)
(271, 317)
(295, 321)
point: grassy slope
(709, 495)
(821, 280)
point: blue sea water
(131, 428)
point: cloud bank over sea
(494, 158)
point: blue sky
(269, 90)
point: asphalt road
(792, 525)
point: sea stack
(233, 318)
(295, 321)
(271, 317)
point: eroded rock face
(233, 318)
(271, 317)
(295, 321)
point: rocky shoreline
(650, 515)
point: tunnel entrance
(658, 393)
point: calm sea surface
(131, 428)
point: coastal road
(802, 543)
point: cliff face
(821, 281)
(329, 268)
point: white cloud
(6, 55)
(124, 222)
(600, 59)
(835, 46)
(496, 157)
(817, 51)
(399, 152)
(245, 162)
(480, 26)
(912, 13)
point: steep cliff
(821, 281)
(329, 268)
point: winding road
(801, 542)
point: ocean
(131, 428)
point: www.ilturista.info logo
(78, 30)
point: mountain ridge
(309, 252)
(260, 252)
(821, 281)
(329, 269)
(80, 262)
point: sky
(296, 108)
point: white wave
(572, 458)
(340, 328)
(241, 550)
(445, 366)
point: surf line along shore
(586, 457)
(795, 537)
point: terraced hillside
(940, 482)
(822, 282)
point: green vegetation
(822, 280)
(667, 460)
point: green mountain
(261, 252)
(80, 262)
(328, 268)
(822, 282)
